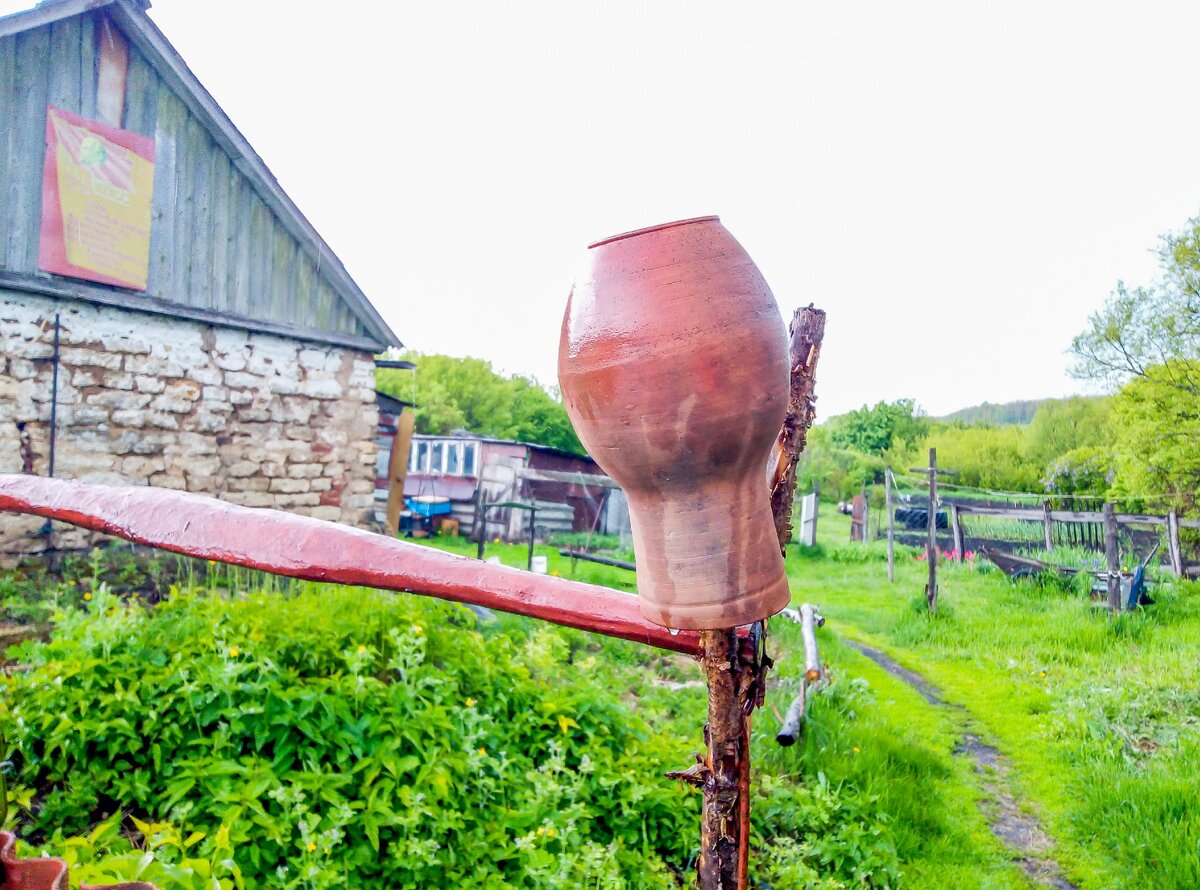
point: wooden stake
(891, 562)
(956, 526)
(1047, 526)
(1174, 550)
(866, 515)
(725, 733)
(931, 551)
(1113, 555)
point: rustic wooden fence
(1076, 528)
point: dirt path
(1019, 831)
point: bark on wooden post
(931, 551)
(1175, 551)
(891, 535)
(956, 527)
(1047, 526)
(1113, 556)
(720, 820)
(807, 331)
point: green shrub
(348, 733)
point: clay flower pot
(44, 873)
(673, 364)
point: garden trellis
(300, 547)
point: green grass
(862, 740)
(1100, 717)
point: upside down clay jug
(673, 364)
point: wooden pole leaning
(1112, 554)
(891, 534)
(931, 550)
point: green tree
(1144, 328)
(1157, 438)
(467, 394)
(873, 430)
(987, 457)
(1146, 342)
(1063, 425)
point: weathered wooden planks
(27, 148)
(217, 240)
(8, 102)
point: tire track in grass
(1019, 831)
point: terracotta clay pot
(44, 873)
(673, 364)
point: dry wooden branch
(815, 677)
(807, 331)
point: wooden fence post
(956, 526)
(866, 515)
(1173, 548)
(480, 522)
(1047, 526)
(931, 552)
(1113, 556)
(891, 559)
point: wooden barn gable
(227, 245)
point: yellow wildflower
(541, 830)
(417, 629)
(555, 574)
(233, 652)
(483, 752)
(1042, 674)
(362, 650)
(71, 583)
(550, 832)
(212, 562)
(87, 596)
(470, 702)
(311, 846)
(857, 749)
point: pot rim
(659, 227)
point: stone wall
(255, 419)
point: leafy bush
(347, 733)
(1085, 470)
(337, 737)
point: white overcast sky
(957, 183)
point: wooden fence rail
(1107, 518)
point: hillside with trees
(1062, 450)
(997, 414)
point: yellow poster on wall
(97, 185)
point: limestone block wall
(255, 419)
